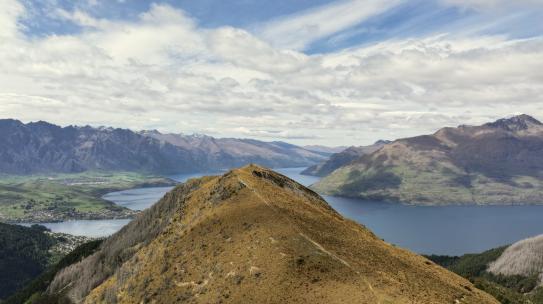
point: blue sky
(344, 72)
(412, 18)
(210, 14)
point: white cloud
(275, 134)
(82, 19)
(492, 4)
(164, 71)
(10, 11)
(300, 30)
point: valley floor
(61, 197)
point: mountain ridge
(342, 158)
(44, 147)
(254, 236)
(495, 163)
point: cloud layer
(300, 30)
(493, 4)
(164, 71)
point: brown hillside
(499, 163)
(343, 158)
(255, 236)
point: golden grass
(254, 236)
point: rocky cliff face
(43, 147)
(254, 236)
(496, 163)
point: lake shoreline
(442, 230)
(68, 210)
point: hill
(342, 158)
(40, 147)
(524, 258)
(513, 274)
(25, 252)
(253, 236)
(496, 163)
(33, 292)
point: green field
(57, 197)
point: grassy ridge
(44, 198)
(254, 236)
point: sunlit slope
(255, 236)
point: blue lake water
(137, 199)
(90, 228)
(143, 198)
(450, 230)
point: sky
(344, 72)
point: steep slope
(226, 153)
(25, 252)
(43, 147)
(496, 163)
(524, 258)
(33, 292)
(343, 158)
(254, 236)
(512, 274)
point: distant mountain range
(226, 153)
(496, 163)
(325, 149)
(343, 158)
(252, 236)
(43, 147)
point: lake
(451, 230)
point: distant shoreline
(31, 199)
